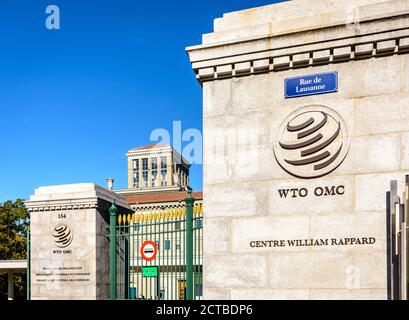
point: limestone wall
(244, 106)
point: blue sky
(74, 100)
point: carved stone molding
(376, 36)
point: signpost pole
(112, 252)
(189, 245)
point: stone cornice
(149, 190)
(74, 197)
(335, 44)
(177, 157)
(61, 204)
(69, 204)
(149, 152)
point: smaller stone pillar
(70, 242)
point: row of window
(154, 172)
(167, 244)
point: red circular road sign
(149, 250)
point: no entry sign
(149, 250)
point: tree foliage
(14, 221)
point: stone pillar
(130, 173)
(159, 171)
(184, 177)
(158, 166)
(140, 173)
(10, 285)
(296, 230)
(149, 172)
(169, 171)
(69, 243)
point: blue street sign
(311, 84)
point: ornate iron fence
(157, 255)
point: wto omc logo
(311, 142)
(62, 236)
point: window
(199, 223)
(163, 171)
(136, 173)
(198, 290)
(154, 165)
(162, 294)
(145, 172)
(167, 244)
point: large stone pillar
(69, 241)
(288, 216)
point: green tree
(14, 221)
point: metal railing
(175, 271)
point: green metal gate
(175, 272)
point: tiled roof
(161, 197)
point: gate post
(112, 251)
(189, 245)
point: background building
(158, 179)
(156, 167)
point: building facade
(156, 167)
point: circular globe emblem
(62, 236)
(311, 142)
